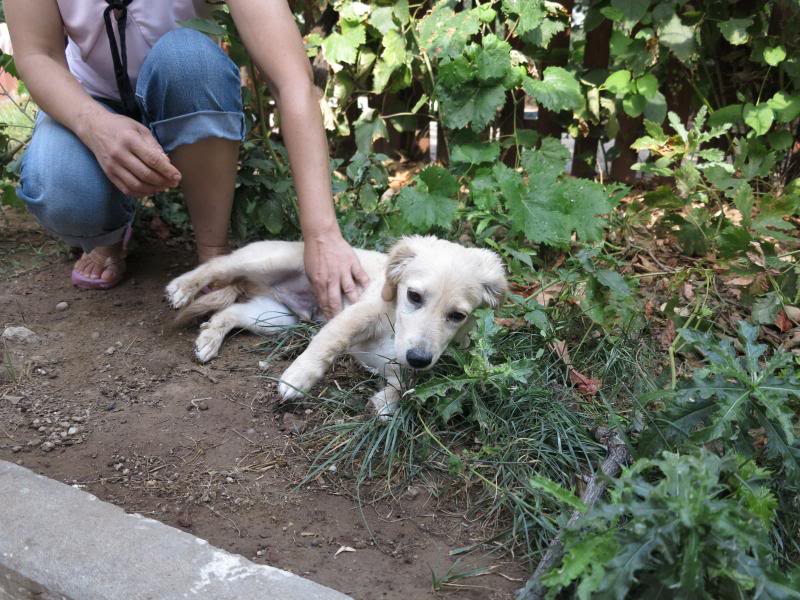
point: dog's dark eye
(414, 297)
(456, 316)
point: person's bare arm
(126, 150)
(274, 43)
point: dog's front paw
(180, 292)
(300, 377)
(385, 403)
(208, 343)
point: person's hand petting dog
(334, 271)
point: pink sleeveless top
(88, 51)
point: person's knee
(186, 72)
(72, 202)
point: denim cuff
(89, 243)
(187, 129)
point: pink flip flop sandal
(81, 281)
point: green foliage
(679, 526)
(704, 178)
(741, 398)
(552, 207)
(558, 90)
(473, 86)
(430, 203)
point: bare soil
(110, 400)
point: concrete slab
(57, 541)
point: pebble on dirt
(20, 334)
(62, 306)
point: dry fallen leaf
(343, 549)
(667, 335)
(782, 322)
(542, 296)
(793, 313)
(585, 385)
(688, 291)
(649, 307)
(510, 323)
(645, 266)
(793, 340)
(740, 281)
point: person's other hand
(129, 155)
(333, 269)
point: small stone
(16, 449)
(62, 306)
(292, 423)
(72, 430)
(185, 517)
(125, 471)
(110, 350)
(412, 492)
(47, 446)
(202, 405)
(14, 399)
(20, 334)
(95, 335)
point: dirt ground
(109, 399)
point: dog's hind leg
(262, 315)
(260, 262)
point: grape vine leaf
(678, 37)
(558, 90)
(444, 33)
(429, 203)
(735, 30)
(530, 13)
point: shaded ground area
(107, 397)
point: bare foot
(104, 262)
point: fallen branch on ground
(617, 456)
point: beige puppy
(420, 298)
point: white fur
(379, 330)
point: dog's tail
(213, 301)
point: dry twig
(617, 456)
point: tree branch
(617, 456)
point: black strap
(124, 86)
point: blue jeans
(187, 90)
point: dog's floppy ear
(400, 255)
(493, 279)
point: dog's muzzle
(419, 359)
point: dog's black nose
(419, 359)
